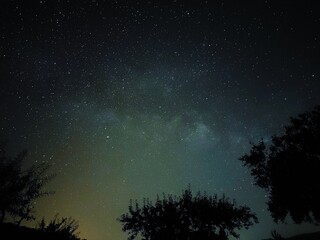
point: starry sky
(127, 99)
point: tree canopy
(288, 168)
(19, 187)
(186, 217)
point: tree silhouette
(288, 169)
(186, 217)
(20, 188)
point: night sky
(127, 99)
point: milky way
(127, 100)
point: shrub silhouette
(186, 217)
(288, 169)
(276, 236)
(62, 229)
(20, 188)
